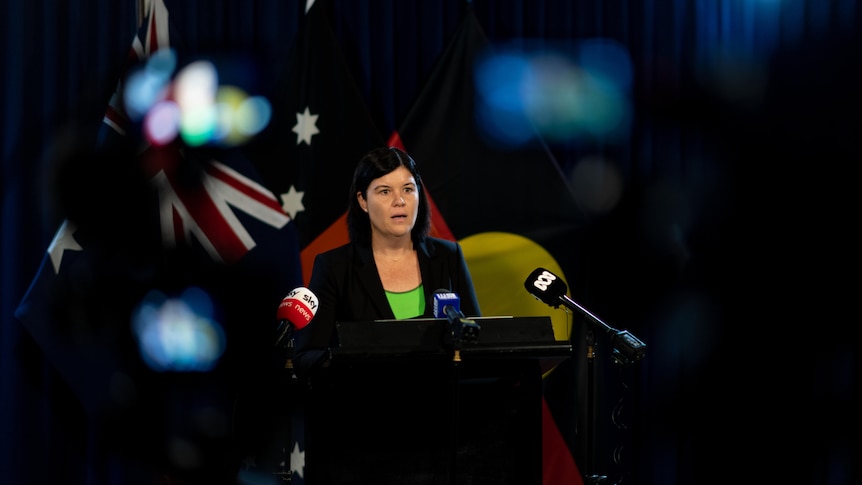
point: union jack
(202, 211)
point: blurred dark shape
(195, 427)
(772, 263)
(102, 189)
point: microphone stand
(289, 421)
(289, 347)
(627, 349)
(456, 420)
(461, 329)
(591, 425)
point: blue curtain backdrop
(720, 252)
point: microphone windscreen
(298, 307)
(545, 286)
(443, 298)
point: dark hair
(375, 164)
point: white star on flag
(306, 127)
(62, 241)
(292, 202)
(297, 460)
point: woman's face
(392, 203)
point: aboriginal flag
(511, 208)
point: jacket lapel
(431, 275)
(369, 282)
(372, 288)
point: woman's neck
(397, 266)
(392, 248)
(392, 253)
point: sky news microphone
(294, 312)
(550, 289)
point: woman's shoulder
(348, 253)
(441, 241)
(436, 244)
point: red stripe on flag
(242, 184)
(153, 35)
(558, 466)
(335, 235)
(204, 211)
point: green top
(407, 304)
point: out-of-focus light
(194, 106)
(554, 93)
(146, 86)
(499, 80)
(500, 113)
(228, 99)
(162, 63)
(253, 115)
(196, 85)
(141, 93)
(240, 116)
(597, 185)
(162, 123)
(199, 124)
(608, 60)
(195, 90)
(178, 334)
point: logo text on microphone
(544, 280)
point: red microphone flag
(298, 307)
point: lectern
(404, 402)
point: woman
(391, 267)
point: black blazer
(349, 289)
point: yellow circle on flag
(499, 263)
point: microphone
(547, 287)
(294, 312)
(448, 305)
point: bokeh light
(162, 123)
(148, 85)
(192, 105)
(559, 94)
(178, 334)
(195, 90)
(597, 184)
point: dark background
(752, 368)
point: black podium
(406, 402)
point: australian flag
(156, 300)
